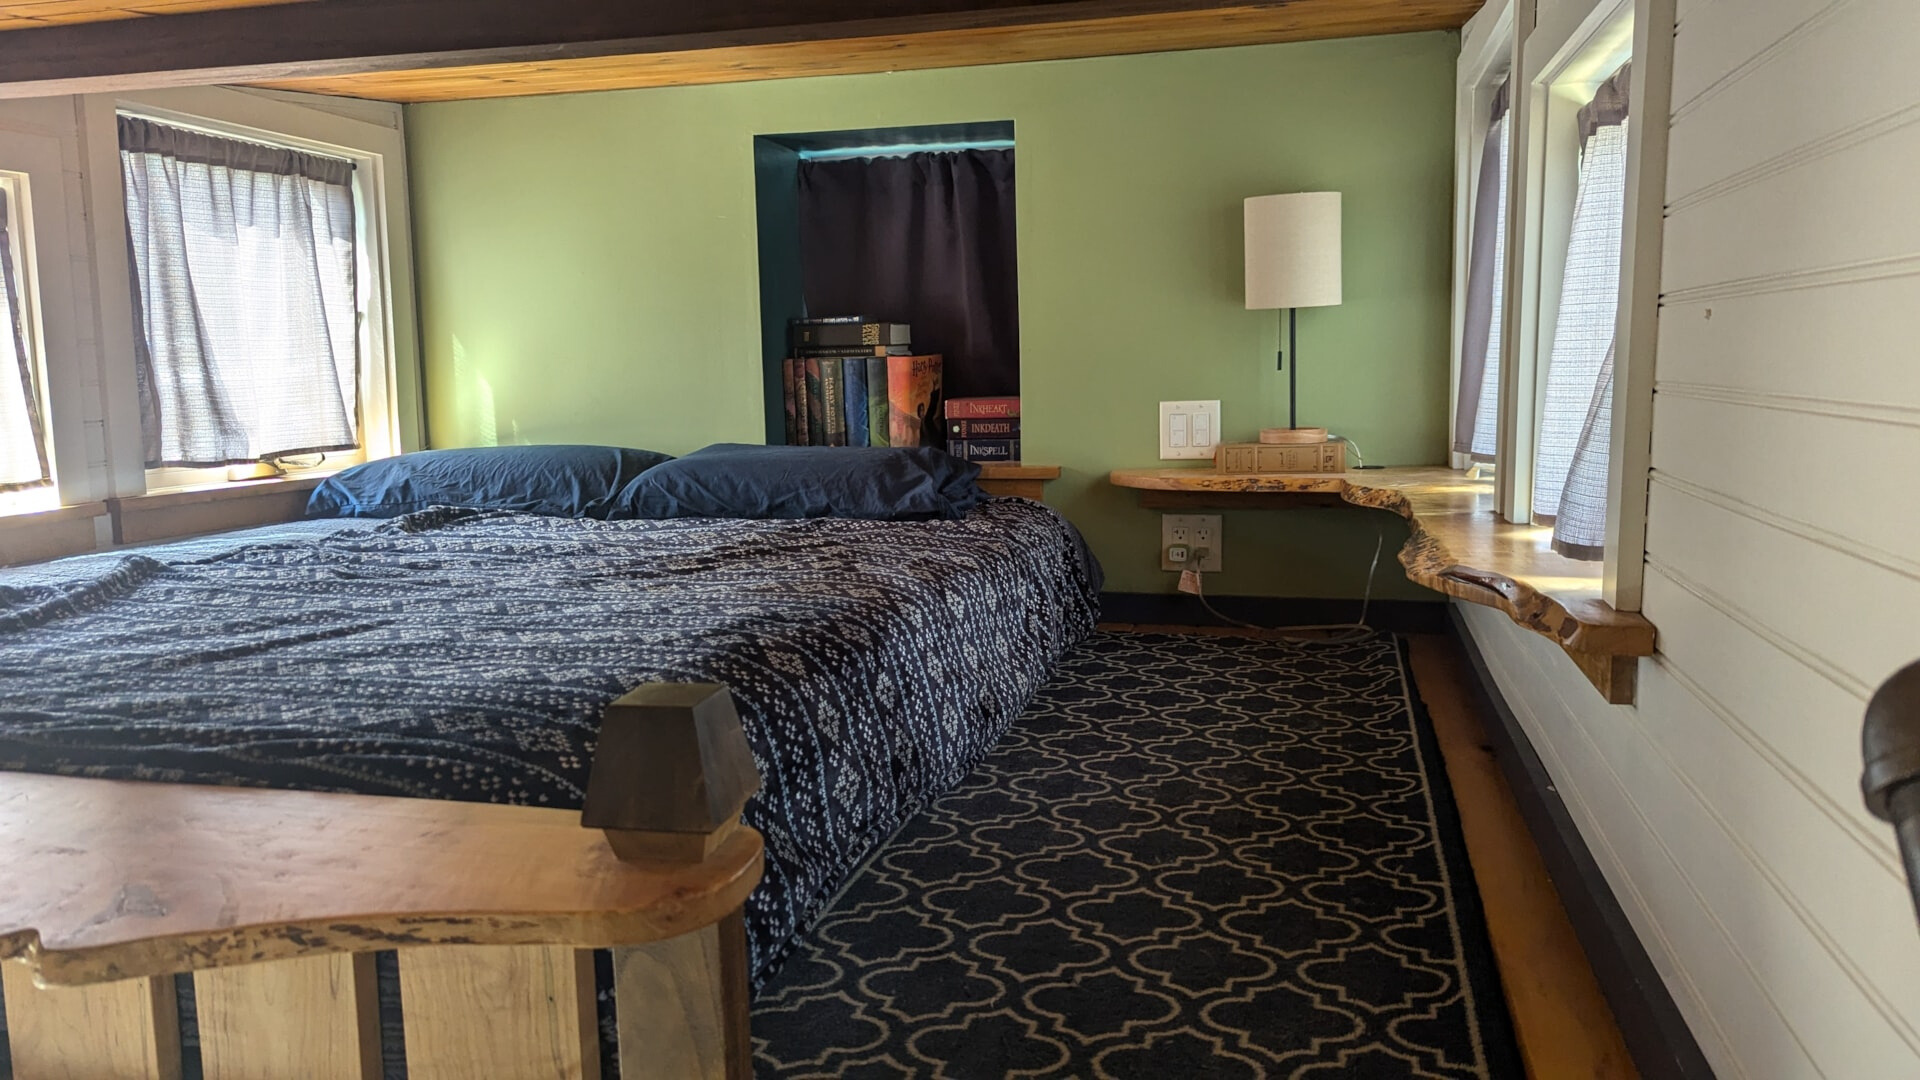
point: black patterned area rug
(1193, 857)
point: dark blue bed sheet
(468, 655)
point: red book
(983, 408)
(913, 400)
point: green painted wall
(587, 267)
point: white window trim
(1637, 331)
(391, 398)
(1557, 65)
(1486, 56)
(48, 265)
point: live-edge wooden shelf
(1015, 478)
(1459, 546)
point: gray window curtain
(243, 267)
(23, 434)
(1577, 411)
(1477, 406)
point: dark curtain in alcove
(925, 239)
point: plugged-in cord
(1359, 459)
(1327, 634)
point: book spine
(913, 400)
(877, 401)
(833, 394)
(854, 375)
(841, 350)
(984, 449)
(816, 406)
(984, 429)
(829, 320)
(983, 408)
(848, 335)
(800, 402)
(789, 409)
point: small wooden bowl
(1280, 436)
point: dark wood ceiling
(29, 14)
(439, 50)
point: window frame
(390, 400)
(1557, 64)
(1486, 60)
(47, 221)
(17, 188)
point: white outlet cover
(1188, 529)
(1188, 429)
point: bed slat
(677, 1020)
(290, 1020)
(126, 1030)
(506, 1012)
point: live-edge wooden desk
(1458, 546)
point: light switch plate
(1194, 531)
(1189, 429)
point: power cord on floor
(1328, 633)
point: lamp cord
(1341, 633)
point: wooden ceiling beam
(1302, 20)
(342, 37)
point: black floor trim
(1656, 1034)
(1179, 609)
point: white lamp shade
(1293, 250)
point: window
(245, 266)
(24, 462)
(1570, 457)
(1477, 411)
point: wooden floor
(1563, 1023)
(1565, 1029)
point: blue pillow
(731, 480)
(558, 481)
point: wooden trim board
(1650, 1023)
(127, 1030)
(441, 49)
(113, 879)
(1560, 1016)
(535, 1005)
(311, 1016)
(1018, 480)
(49, 534)
(195, 511)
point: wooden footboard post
(670, 777)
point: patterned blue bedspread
(468, 655)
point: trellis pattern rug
(1192, 857)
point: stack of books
(852, 380)
(984, 428)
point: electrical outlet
(1193, 534)
(1189, 429)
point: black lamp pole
(1291, 317)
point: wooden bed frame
(276, 901)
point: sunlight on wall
(475, 395)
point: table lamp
(1293, 261)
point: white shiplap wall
(1783, 550)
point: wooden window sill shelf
(38, 535)
(171, 513)
(1459, 546)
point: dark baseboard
(1179, 609)
(1656, 1034)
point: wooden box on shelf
(1328, 456)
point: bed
(468, 655)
